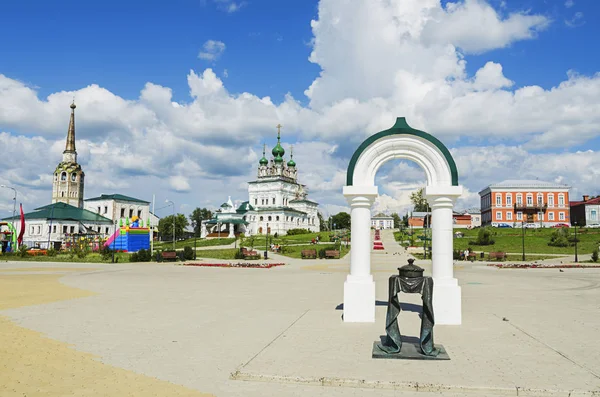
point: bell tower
(68, 182)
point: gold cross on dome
(279, 128)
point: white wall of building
(117, 209)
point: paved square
(147, 329)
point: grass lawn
(228, 253)
(295, 251)
(259, 240)
(90, 258)
(190, 243)
(536, 241)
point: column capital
(360, 196)
(442, 196)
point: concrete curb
(412, 386)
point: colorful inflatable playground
(8, 237)
(130, 237)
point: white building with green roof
(56, 223)
(120, 207)
(279, 202)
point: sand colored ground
(33, 365)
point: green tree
(323, 225)
(199, 215)
(397, 220)
(405, 220)
(341, 220)
(165, 226)
(419, 201)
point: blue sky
(54, 51)
(123, 44)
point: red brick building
(528, 201)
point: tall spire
(70, 147)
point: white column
(447, 305)
(359, 288)
(203, 231)
(231, 234)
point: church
(277, 202)
(69, 216)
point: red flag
(22, 231)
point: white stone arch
(402, 142)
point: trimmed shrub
(484, 237)
(559, 238)
(188, 253)
(293, 232)
(51, 252)
(595, 255)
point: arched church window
(55, 177)
(63, 176)
(62, 194)
(73, 177)
(277, 218)
(270, 218)
(261, 218)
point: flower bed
(540, 266)
(240, 264)
(378, 247)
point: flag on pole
(22, 231)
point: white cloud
(380, 59)
(569, 3)
(576, 21)
(212, 50)
(230, 6)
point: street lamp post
(173, 204)
(113, 242)
(14, 207)
(576, 259)
(267, 242)
(199, 227)
(523, 236)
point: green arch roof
(402, 128)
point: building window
(122, 212)
(261, 218)
(561, 200)
(262, 201)
(277, 218)
(498, 200)
(550, 200)
(105, 209)
(593, 215)
(498, 215)
(64, 229)
(509, 216)
(519, 199)
(273, 200)
(529, 199)
(269, 218)
(519, 216)
(550, 216)
(54, 229)
(73, 177)
(63, 176)
(140, 214)
(540, 216)
(130, 213)
(32, 230)
(509, 200)
(72, 229)
(255, 201)
(540, 199)
(106, 230)
(98, 209)
(561, 216)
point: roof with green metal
(64, 212)
(119, 197)
(244, 207)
